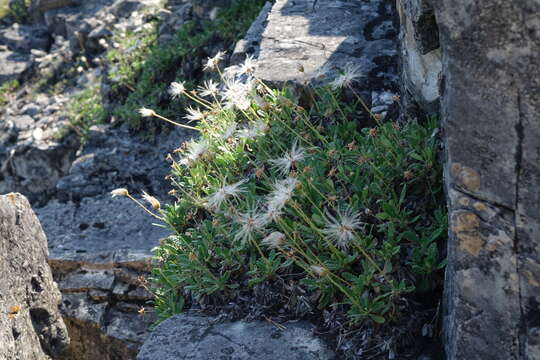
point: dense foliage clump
(307, 192)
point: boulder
(31, 327)
(490, 105)
(197, 337)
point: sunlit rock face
(31, 327)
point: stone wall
(490, 96)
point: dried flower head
(215, 200)
(349, 74)
(194, 114)
(213, 62)
(144, 112)
(209, 88)
(282, 192)
(236, 94)
(151, 200)
(177, 89)
(408, 175)
(250, 223)
(258, 128)
(229, 131)
(248, 67)
(194, 151)
(119, 192)
(289, 160)
(340, 229)
(319, 270)
(274, 240)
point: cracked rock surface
(31, 327)
(193, 336)
(490, 106)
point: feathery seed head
(144, 112)
(119, 192)
(213, 62)
(209, 88)
(274, 240)
(349, 75)
(340, 229)
(215, 200)
(151, 200)
(250, 223)
(289, 160)
(194, 114)
(177, 89)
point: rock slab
(31, 327)
(330, 34)
(490, 105)
(194, 336)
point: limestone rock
(490, 105)
(13, 65)
(420, 55)
(31, 327)
(193, 336)
(314, 34)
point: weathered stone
(193, 336)
(250, 44)
(490, 104)
(99, 230)
(84, 279)
(30, 324)
(35, 164)
(314, 34)
(23, 38)
(420, 55)
(13, 65)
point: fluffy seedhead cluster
(323, 197)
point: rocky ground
(99, 248)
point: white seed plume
(144, 112)
(285, 163)
(236, 94)
(228, 132)
(282, 192)
(213, 62)
(194, 114)
(248, 67)
(177, 89)
(340, 229)
(119, 192)
(274, 240)
(151, 200)
(194, 152)
(250, 223)
(257, 129)
(215, 200)
(319, 270)
(350, 73)
(209, 88)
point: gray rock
(13, 65)
(193, 336)
(490, 105)
(420, 56)
(314, 35)
(250, 44)
(99, 230)
(24, 38)
(31, 327)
